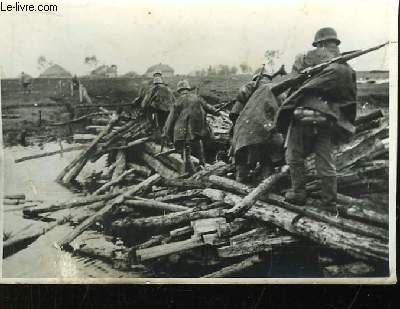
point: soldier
(254, 141)
(157, 102)
(317, 115)
(187, 125)
(25, 82)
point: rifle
(311, 71)
(281, 71)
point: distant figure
(187, 125)
(157, 102)
(75, 82)
(25, 80)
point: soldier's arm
(245, 92)
(209, 108)
(174, 111)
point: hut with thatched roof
(55, 71)
(165, 70)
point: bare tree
(91, 61)
(43, 63)
(271, 56)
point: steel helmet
(157, 80)
(182, 85)
(325, 34)
(157, 73)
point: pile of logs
(140, 211)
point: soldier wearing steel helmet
(254, 144)
(316, 116)
(157, 101)
(187, 125)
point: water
(42, 259)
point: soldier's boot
(297, 194)
(242, 173)
(329, 193)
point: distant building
(105, 71)
(165, 69)
(372, 76)
(55, 71)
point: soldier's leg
(295, 154)
(189, 167)
(242, 166)
(326, 169)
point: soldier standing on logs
(254, 141)
(157, 101)
(316, 116)
(187, 125)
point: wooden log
(358, 246)
(112, 183)
(153, 204)
(143, 255)
(185, 183)
(188, 194)
(14, 196)
(349, 210)
(102, 212)
(13, 202)
(79, 162)
(120, 165)
(207, 225)
(254, 246)
(140, 169)
(264, 187)
(173, 160)
(96, 245)
(256, 233)
(160, 223)
(76, 119)
(50, 153)
(183, 231)
(359, 148)
(69, 204)
(219, 168)
(153, 241)
(12, 208)
(84, 137)
(158, 166)
(230, 270)
(134, 143)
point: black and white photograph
(198, 141)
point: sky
(188, 35)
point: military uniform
(254, 140)
(315, 117)
(157, 102)
(187, 125)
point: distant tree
(211, 71)
(91, 61)
(43, 63)
(223, 70)
(245, 68)
(233, 70)
(270, 59)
